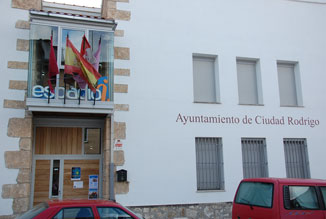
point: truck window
(300, 197)
(255, 194)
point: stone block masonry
(190, 211)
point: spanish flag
(76, 64)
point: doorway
(67, 160)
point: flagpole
(49, 94)
(79, 97)
(94, 94)
(64, 96)
(49, 76)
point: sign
(75, 173)
(249, 120)
(93, 187)
(118, 143)
(93, 182)
(78, 185)
(102, 92)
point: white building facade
(206, 93)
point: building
(198, 95)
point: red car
(79, 209)
(277, 198)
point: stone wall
(110, 10)
(190, 211)
(19, 127)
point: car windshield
(34, 211)
(255, 194)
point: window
(300, 197)
(254, 157)
(209, 160)
(92, 141)
(107, 213)
(289, 84)
(323, 192)
(296, 158)
(249, 86)
(73, 88)
(255, 194)
(75, 213)
(205, 79)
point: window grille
(209, 160)
(254, 157)
(296, 158)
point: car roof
(287, 180)
(80, 202)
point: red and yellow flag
(76, 64)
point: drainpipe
(111, 165)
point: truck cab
(280, 198)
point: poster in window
(93, 182)
(75, 173)
(93, 187)
(92, 194)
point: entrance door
(67, 163)
(42, 181)
(79, 187)
(65, 179)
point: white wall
(163, 35)
(8, 43)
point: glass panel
(75, 36)
(303, 197)
(92, 141)
(72, 213)
(105, 67)
(67, 81)
(68, 88)
(55, 177)
(255, 194)
(323, 192)
(40, 41)
(109, 213)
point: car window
(112, 213)
(255, 194)
(323, 192)
(300, 197)
(74, 213)
(34, 211)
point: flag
(75, 64)
(72, 66)
(86, 52)
(97, 55)
(53, 67)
